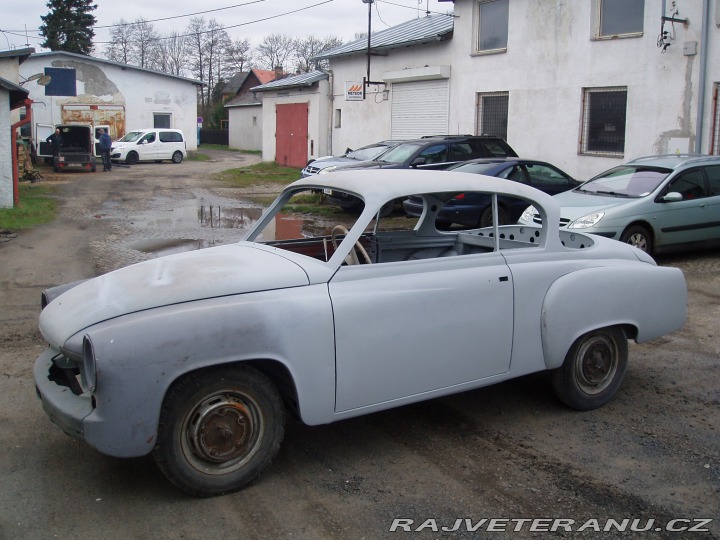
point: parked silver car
(654, 203)
(196, 357)
(330, 163)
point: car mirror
(673, 196)
(418, 161)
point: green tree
(68, 26)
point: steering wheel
(352, 257)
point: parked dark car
(328, 164)
(475, 210)
(433, 153)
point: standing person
(105, 147)
(55, 141)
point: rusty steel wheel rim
(222, 433)
(596, 363)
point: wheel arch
(645, 225)
(638, 308)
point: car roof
(674, 161)
(396, 183)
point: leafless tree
(174, 50)
(307, 48)
(145, 39)
(120, 49)
(217, 42)
(195, 31)
(238, 57)
(274, 51)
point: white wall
(366, 122)
(245, 127)
(142, 93)
(316, 97)
(6, 181)
(550, 58)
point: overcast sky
(322, 18)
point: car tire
(177, 157)
(219, 428)
(486, 218)
(132, 158)
(593, 369)
(638, 236)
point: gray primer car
(654, 203)
(195, 357)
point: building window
(161, 120)
(254, 120)
(338, 118)
(491, 22)
(224, 124)
(620, 18)
(715, 135)
(603, 121)
(492, 114)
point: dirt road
(509, 452)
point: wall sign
(353, 91)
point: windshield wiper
(613, 193)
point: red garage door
(291, 134)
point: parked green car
(654, 203)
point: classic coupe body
(197, 357)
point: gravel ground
(509, 452)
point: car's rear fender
(651, 300)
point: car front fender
(651, 299)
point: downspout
(703, 75)
(13, 141)
(331, 99)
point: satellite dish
(35, 77)
(44, 80)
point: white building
(584, 85)
(103, 92)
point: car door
(689, 220)
(411, 327)
(147, 146)
(434, 156)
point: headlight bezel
(587, 221)
(88, 373)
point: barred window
(491, 25)
(492, 114)
(621, 17)
(603, 121)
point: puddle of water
(213, 217)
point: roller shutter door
(419, 108)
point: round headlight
(88, 373)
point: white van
(153, 144)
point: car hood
(369, 165)
(574, 205)
(184, 277)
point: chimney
(278, 72)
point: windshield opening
(131, 137)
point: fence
(214, 136)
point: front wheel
(132, 158)
(177, 157)
(638, 236)
(593, 369)
(219, 428)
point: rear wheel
(486, 218)
(132, 158)
(177, 157)
(219, 429)
(593, 369)
(638, 236)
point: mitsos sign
(353, 91)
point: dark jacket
(55, 141)
(105, 142)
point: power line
(414, 8)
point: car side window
(545, 176)
(436, 153)
(460, 152)
(170, 136)
(713, 174)
(149, 138)
(691, 185)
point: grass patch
(266, 172)
(36, 207)
(197, 156)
